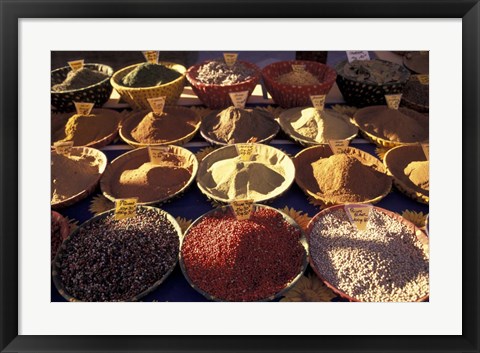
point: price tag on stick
(157, 104)
(76, 64)
(426, 150)
(63, 147)
(338, 146)
(393, 100)
(151, 56)
(125, 208)
(230, 58)
(239, 99)
(157, 153)
(359, 215)
(242, 208)
(83, 108)
(245, 151)
(357, 55)
(318, 101)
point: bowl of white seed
(386, 262)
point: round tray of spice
(60, 231)
(364, 83)
(136, 83)
(226, 174)
(110, 260)
(410, 170)
(309, 127)
(291, 83)
(387, 127)
(254, 259)
(88, 84)
(74, 176)
(386, 262)
(213, 80)
(95, 130)
(134, 174)
(416, 95)
(176, 125)
(417, 62)
(350, 177)
(235, 125)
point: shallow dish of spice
(136, 83)
(410, 170)
(392, 127)
(235, 125)
(309, 126)
(88, 84)
(59, 232)
(213, 80)
(350, 177)
(96, 130)
(74, 176)
(176, 125)
(255, 259)
(133, 174)
(224, 175)
(110, 260)
(292, 88)
(387, 262)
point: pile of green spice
(80, 79)
(150, 75)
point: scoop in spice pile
(389, 262)
(117, 260)
(235, 125)
(149, 75)
(217, 72)
(81, 78)
(247, 260)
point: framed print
(239, 176)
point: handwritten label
(357, 55)
(157, 153)
(358, 215)
(426, 150)
(76, 64)
(318, 102)
(239, 99)
(125, 208)
(423, 79)
(157, 104)
(83, 108)
(151, 56)
(298, 68)
(338, 146)
(393, 100)
(63, 147)
(230, 58)
(245, 151)
(242, 208)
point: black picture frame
(11, 11)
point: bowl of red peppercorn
(255, 259)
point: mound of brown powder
(85, 129)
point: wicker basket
(137, 97)
(289, 96)
(217, 96)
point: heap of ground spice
(217, 72)
(345, 178)
(402, 125)
(116, 260)
(298, 78)
(235, 125)
(138, 177)
(149, 75)
(312, 125)
(173, 124)
(80, 79)
(85, 129)
(72, 174)
(376, 72)
(418, 173)
(242, 260)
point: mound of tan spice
(418, 173)
(298, 78)
(344, 178)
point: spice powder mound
(80, 79)
(243, 260)
(116, 260)
(418, 173)
(150, 75)
(298, 78)
(385, 263)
